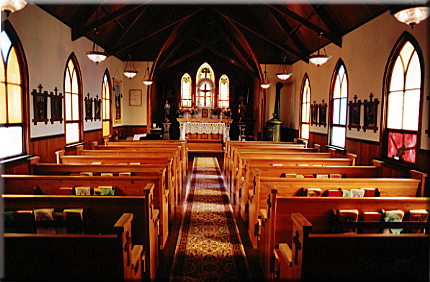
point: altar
(204, 134)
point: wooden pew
(78, 256)
(105, 210)
(175, 190)
(276, 224)
(150, 144)
(293, 159)
(387, 187)
(156, 144)
(247, 190)
(376, 257)
(237, 167)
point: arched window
(13, 80)
(339, 104)
(186, 94)
(224, 92)
(106, 104)
(205, 86)
(306, 107)
(72, 101)
(403, 90)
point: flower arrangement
(227, 112)
(216, 111)
(180, 111)
(193, 110)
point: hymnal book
(43, 218)
(334, 193)
(302, 164)
(313, 192)
(60, 228)
(322, 176)
(121, 163)
(276, 164)
(335, 175)
(348, 215)
(394, 215)
(135, 163)
(104, 191)
(308, 176)
(87, 173)
(96, 163)
(106, 174)
(346, 193)
(300, 176)
(372, 217)
(357, 193)
(369, 192)
(83, 190)
(65, 191)
(288, 175)
(74, 220)
(124, 174)
(24, 221)
(418, 215)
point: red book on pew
(418, 215)
(308, 176)
(369, 192)
(372, 217)
(65, 191)
(334, 193)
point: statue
(166, 111)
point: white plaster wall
(365, 52)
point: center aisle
(209, 245)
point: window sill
(74, 145)
(15, 159)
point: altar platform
(205, 135)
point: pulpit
(204, 134)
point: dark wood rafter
(336, 39)
(325, 18)
(297, 42)
(78, 32)
(283, 48)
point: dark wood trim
(363, 141)
(15, 159)
(70, 146)
(318, 133)
(93, 130)
(46, 137)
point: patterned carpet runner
(209, 245)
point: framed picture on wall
(314, 113)
(117, 101)
(97, 108)
(135, 96)
(322, 111)
(205, 113)
(40, 105)
(88, 108)
(56, 106)
(370, 114)
(354, 113)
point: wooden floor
(166, 256)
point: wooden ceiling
(239, 36)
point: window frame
(384, 134)
(219, 100)
(305, 79)
(191, 91)
(339, 64)
(73, 58)
(109, 87)
(25, 110)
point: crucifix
(206, 95)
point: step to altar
(204, 146)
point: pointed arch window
(72, 101)
(205, 86)
(12, 91)
(106, 104)
(186, 93)
(224, 92)
(339, 106)
(403, 102)
(306, 108)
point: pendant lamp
(319, 59)
(95, 55)
(129, 71)
(411, 14)
(265, 83)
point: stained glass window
(12, 125)
(306, 107)
(205, 86)
(186, 93)
(339, 107)
(403, 104)
(224, 92)
(72, 101)
(106, 104)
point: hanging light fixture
(319, 59)
(147, 80)
(11, 6)
(265, 83)
(283, 74)
(411, 14)
(95, 55)
(129, 72)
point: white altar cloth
(205, 128)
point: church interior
(214, 140)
